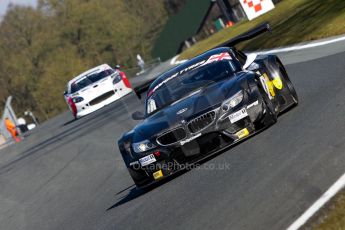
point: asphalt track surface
(69, 174)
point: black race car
(203, 106)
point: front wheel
(271, 115)
(140, 179)
(289, 85)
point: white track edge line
(279, 50)
(333, 190)
(175, 62)
(301, 47)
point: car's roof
(185, 65)
(95, 69)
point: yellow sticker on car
(242, 133)
(269, 85)
(158, 175)
(277, 82)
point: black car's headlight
(233, 101)
(143, 146)
(77, 99)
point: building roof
(180, 27)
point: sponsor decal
(147, 160)
(277, 82)
(253, 104)
(190, 139)
(218, 57)
(242, 133)
(133, 163)
(151, 105)
(268, 86)
(182, 111)
(239, 115)
(255, 8)
(158, 175)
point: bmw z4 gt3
(203, 106)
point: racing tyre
(271, 115)
(289, 85)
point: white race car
(95, 88)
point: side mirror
(138, 116)
(250, 59)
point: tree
(44, 48)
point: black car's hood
(198, 102)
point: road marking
(333, 190)
(301, 47)
(279, 50)
(175, 62)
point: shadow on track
(135, 192)
(123, 190)
(69, 122)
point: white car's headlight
(143, 146)
(77, 99)
(233, 101)
(117, 79)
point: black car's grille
(101, 98)
(172, 136)
(201, 122)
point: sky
(4, 4)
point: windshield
(90, 79)
(187, 83)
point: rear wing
(250, 34)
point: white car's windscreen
(90, 79)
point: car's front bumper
(86, 108)
(220, 134)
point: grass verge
(293, 21)
(331, 217)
